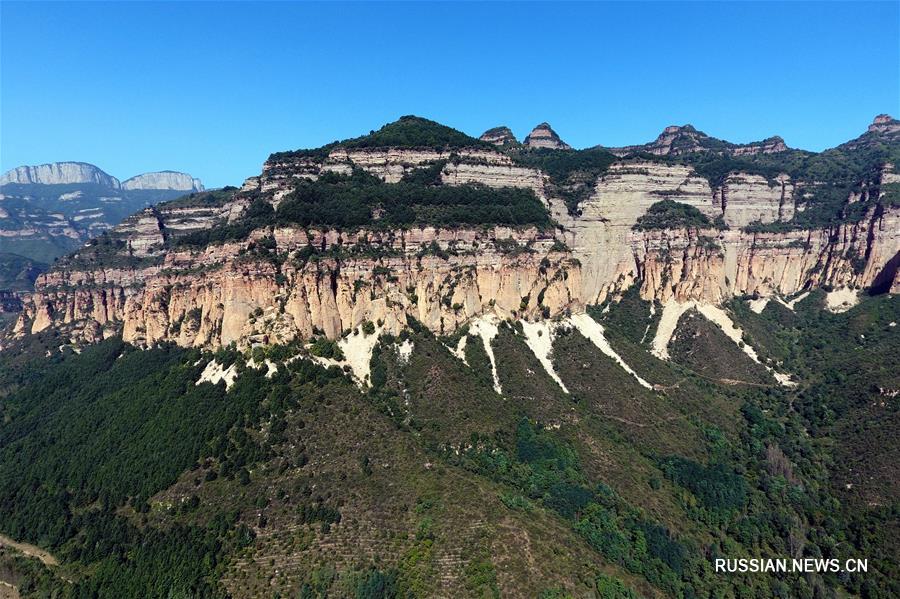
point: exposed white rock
(214, 373)
(759, 304)
(59, 173)
(163, 180)
(673, 310)
(841, 300)
(594, 332)
(405, 350)
(789, 304)
(357, 348)
(486, 328)
(460, 350)
(539, 338)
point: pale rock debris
(214, 373)
(593, 331)
(539, 338)
(841, 300)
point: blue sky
(212, 88)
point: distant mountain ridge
(47, 210)
(64, 173)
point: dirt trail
(29, 550)
(8, 591)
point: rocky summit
(462, 229)
(543, 136)
(499, 136)
(417, 363)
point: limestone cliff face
(164, 180)
(286, 282)
(711, 265)
(744, 199)
(230, 293)
(58, 173)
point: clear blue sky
(212, 88)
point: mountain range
(418, 363)
(51, 209)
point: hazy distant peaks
(62, 173)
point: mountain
(680, 140)
(499, 136)
(50, 209)
(543, 136)
(164, 180)
(416, 363)
(59, 173)
(65, 173)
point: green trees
(363, 200)
(669, 214)
(415, 132)
(360, 199)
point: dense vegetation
(144, 483)
(88, 439)
(572, 172)
(824, 179)
(407, 132)
(361, 199)
(415, 132)
(669, 214)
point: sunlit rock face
(151, 291)
(499, 136)
(164, 180)
(543, 136)
(59, 173)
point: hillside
(421, 364)
(288, 478)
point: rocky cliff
(680, 140)
(499, 136)
(67, 173)
(264, 279)
(59, 173)
(543, 136)
(164, 180)
(51, 209)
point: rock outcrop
(543, 136)
(499, 136)
(303, 281)
(884, 124)
(164, 180)
(59, 173)
(771, 145)
(680, 140)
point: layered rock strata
(303, 282)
